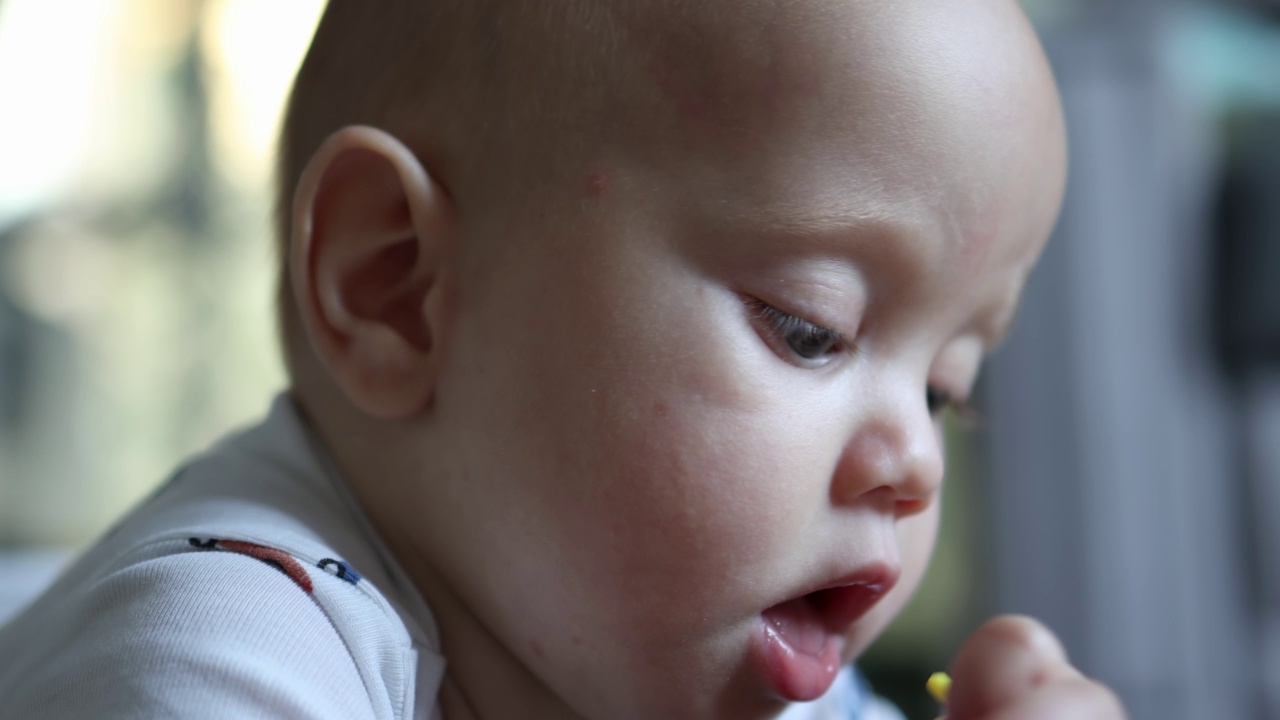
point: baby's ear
(368, 261)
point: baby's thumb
(1001, 661)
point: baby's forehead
(961, 78)
(929, 128)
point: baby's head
(631, 322)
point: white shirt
(167, 616)
(250, 585)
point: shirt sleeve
(191, 635)
(877, 708)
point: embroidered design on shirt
(341, 569)
(278, 559)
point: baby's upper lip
(877, 573)
(840, 602)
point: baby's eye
(807, 340)
(937, 400)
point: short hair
(464, 83)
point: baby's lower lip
(800, 642)
(799, 656)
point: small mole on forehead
(598, 183)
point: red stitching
(276, 558)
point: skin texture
(571, 411)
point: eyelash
(784, 324)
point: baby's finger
(1003, 660)
(1069, 699)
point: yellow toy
(939, 686)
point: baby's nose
(895, 454)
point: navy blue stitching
(344, 571)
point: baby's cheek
(681, 514)
(696, 504)
(694, 466)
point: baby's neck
(483, 679)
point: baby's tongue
(801, 657)
(798, 625)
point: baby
(619, 332)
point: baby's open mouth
(803, 637)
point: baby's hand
(1013, 668)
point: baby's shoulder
(198, 626)
(236, 590)
(179, 634)
(195, 626)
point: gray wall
(1118, 506)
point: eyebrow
(833, 227)
(836, 234)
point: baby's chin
(857, 642)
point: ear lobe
(371, 237)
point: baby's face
(691, 401)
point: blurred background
(1123, 483)
(136, 262)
